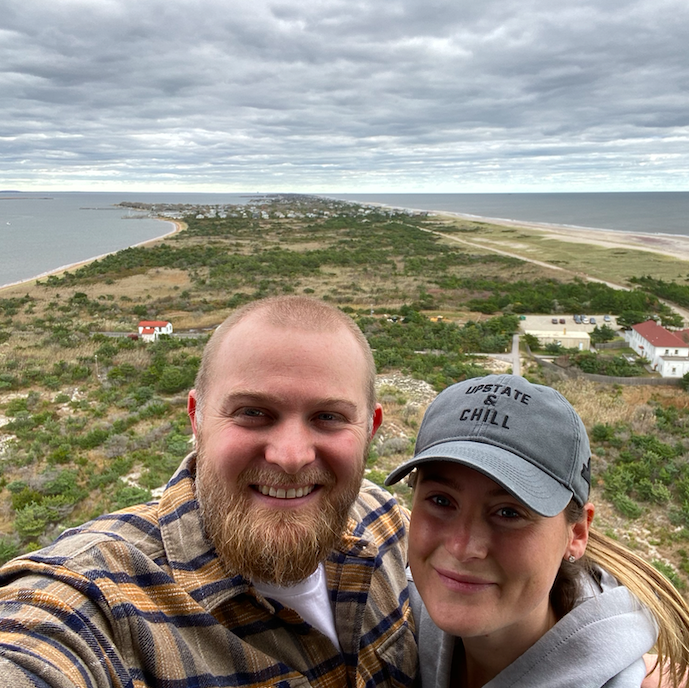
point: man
(266, 561)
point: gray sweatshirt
(600, 643)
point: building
(149, 331)
(667, 352)
(565, 338)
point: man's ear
(191, 410)
(377, 419)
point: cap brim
(536, 489)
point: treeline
(552, 296)
(616, 365)
(677, 294)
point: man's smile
(285, 493)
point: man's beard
(275, 546)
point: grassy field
(614, 263)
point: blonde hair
(651, 588)
(302, 313)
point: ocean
(644, 212)
(42, 232)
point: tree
(603, 333)
(671, 320)
(172, 379)
(532, 341)
(629, 318)
(684, 383)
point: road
(516, 359)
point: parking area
(540, 322)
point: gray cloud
(334, 95)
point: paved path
(516, 360)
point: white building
(565, 338)
(149, 331)
(667, 352)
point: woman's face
(484, 564)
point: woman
(518, 589)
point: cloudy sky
(344, 95)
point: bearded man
(267, 561)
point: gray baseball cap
(523, 436)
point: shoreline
(674, 245)
(178, 226)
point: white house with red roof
(668, 352)
(149, 331)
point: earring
(571, 558)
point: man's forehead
(256, 326)
(255, 340)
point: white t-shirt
(309, 598)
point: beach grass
(604, 255)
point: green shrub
(172, 379)
(92, 439)
(51, 382)
(126, 496)
(670, 573)
(65, 486)
(626, 506)
(17, 486)
(61, 455)
(654, 492)
(684, 382)
(8, 550)
(24, 497)
(32, 520)
(17, 405)
(602, 432)
(378, 477)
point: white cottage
(149, 331)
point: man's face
(281, 447)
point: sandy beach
(673, 245)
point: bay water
(43, 232)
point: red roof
(148, 331)
(657, 335)
(153, 324)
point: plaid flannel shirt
(138, 598)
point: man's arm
(12, 675)
(52, 635)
